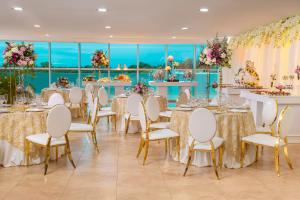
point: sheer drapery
(267, 60)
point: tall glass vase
(220, 87)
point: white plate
(182, 109)
(5, 105)
(35, 110)
(122, 96)
(238, 110)
(4, 110)
(47, 107)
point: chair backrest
(75, 95)
(182, 98)
(103, 96)
(152, 108)
(89, 88)
(133, 102)
(142, 116)
(94, 110)
(56, 99)
(188, 93)
(202, 125)
(283, 123)
(58, 121)
(270, 111)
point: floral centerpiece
(188, 75)
(217, 53)
(170, 69)
(159, 75)
(122, 78)
(21, 56)
(99, 60)
(62, 82)
(140, 88)
(297, 71)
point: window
(121, 54)
(64, 55)
(152, 56)
(199, 49)
(38, 81)
(42, 51)
(72, 75)
(87, 51)
(182, 53)
(2, 47)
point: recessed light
(37, 26)
(203, 9)
(17, 8)
(111, 36)
(108, 27)
(184, 28)
(173, 37)
(47, 35)
(102, 10)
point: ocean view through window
(138, 61)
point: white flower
(223, 55)
(15, 50)
(30, 62)
(8, 54)
(205, 51)
(214, 60)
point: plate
(4, 110)
(182, 109)
(122, 96)
(35, 110)
(5, 105)
(47, 107)
(238, 110)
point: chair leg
(56, 153)
(69, 151)
(47, 159)
(127, 122)
(213, 156)
(108, 120)
(276, 160)
(166, 147)
(146, 151)
(178, 147)
(82, 112)
(95, 140)
(188, 162)
(221, 157)
(27, 151)
(286, 155)
(115, 119)
(142, 143)
(243, 147)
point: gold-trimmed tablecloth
(231, 126)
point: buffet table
(118, 85)
(231, 126)
(162, 86)
(15, 125)
(293, 128)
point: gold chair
(275, 142)
(58, 123)
(148, 136)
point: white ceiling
(137, 21)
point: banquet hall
(129, 100)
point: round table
(47, 92)
(14, 127)
(231, 126)
(119, 105)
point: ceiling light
(37, 26)
(103, 10)
(173, 37)
(17, 8)
(203, 9)
(184, 28)
(108, 27)
(47, 35)
(111, 36)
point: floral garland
(216, 53)
(19, 55)
(279, 33)
(99, 59)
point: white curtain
(267, 60)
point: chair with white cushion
(188, 93)
(103, 101)
(203, 137)
(56, 99)
(89, 127)
(132, 110)
(75, 97)
(147, 136)
(269, 115)
(279, 140)
(58, 124)
(153, 110)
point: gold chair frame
(276, 147)
(144, 143)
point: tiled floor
(115, 173)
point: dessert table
(119, 105)
(118, 85)
(162, 86)
(231, 126)
(15, 125)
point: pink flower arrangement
(215, 85)
(140, 88)
(19, 55)
(170, 58)
(297, 71)
(280, 87)
(99, 59)
(216, 53)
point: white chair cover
(132, 103)
(58, 121)
(152, 108)
(202, 125)
(103, 96)
(94, 110)
(75, 95)
(142, 116)
(188, 93)
(182, 99)
(56, 99)
(269, 113)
